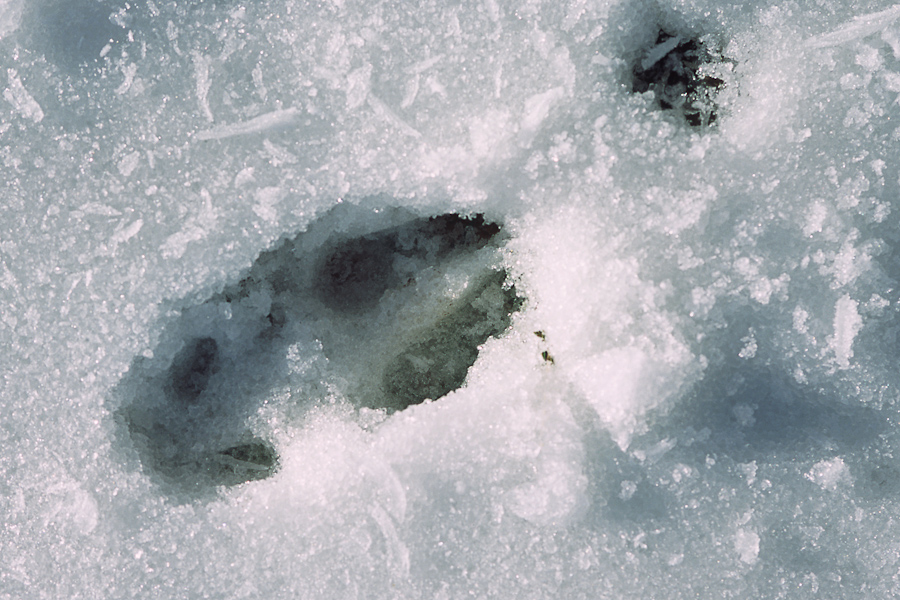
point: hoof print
(437, 365)
(357, 272)
(391, 315)
(190, 371)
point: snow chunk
(859, 27)
(746, 544)
(537, 108)
(750, 345)
(828, 474)
(195, 228)
(21, 100)
(398, 552)
(556, 494)
(244, 177)
(655, 452)
(800, 316)
(266, 201)
(201, 74)
(263, 123)
(815, 218)
(10, 16)
(659, 51)
(72, 507)
(358, 85)
(384, 111)
(749, 471)
(628, 488)
(555, 497)
(744, 414)
(847, 323)
(123, 234)
(621, 385)
(128, 163)
(489, 134)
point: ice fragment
(21, 100)
(271, 121)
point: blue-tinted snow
(710, 408)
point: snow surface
(687, 386)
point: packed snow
(481, 299)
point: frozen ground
(449, 300)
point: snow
(379, 300)
(827, 474)
(860, 27)
(261, 123)
(20, 99)
(847, 324)
(10, 16)
(746, 544)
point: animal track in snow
(382, 316)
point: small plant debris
(679, 71)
